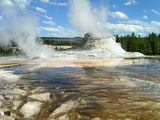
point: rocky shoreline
(37, 104)
(20, 101)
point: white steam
(85, 18)
(19, 26)
(88, 19)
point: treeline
(149, 45)
(9, 51)
(61, 41)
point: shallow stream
(123, 92)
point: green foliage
(61, 41)
(9, 51)
(149, 45)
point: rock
(19, 91)
(37, 90)
(5, 111)
(89, 36)
(63, 117)
(1, 98)
(41, 97)
(8, 113)
(10, 96)
(4, 117)
(5, 114)
(30, 109)
(97, 118)
(64, 108)
(89, 40)
(15, 116)
(9, 76)
(16, 104)
(1, 103)
(1, 112)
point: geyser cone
(93, 47)
(106, 45)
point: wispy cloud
(50, 29)
(115, 6)
(1, 17)
(49, 22)
(119, 15)
(130, 2)
(54, 3)
(41, 10)
(59, 31)
(137, 26)
(145, 17)
(48, 17)
(45, 1)
(155, 11)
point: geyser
(93, 47)
(99, 43)
(20, 26)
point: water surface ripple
(130, 92)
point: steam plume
(86, 18)
(19, 26)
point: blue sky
(124, 16)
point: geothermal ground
(89, 82)
(110, 89)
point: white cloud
(6, 3)
(1, 17)
(155, 26)
(155, 11)
(47, 17)
(45, 1)
(145, 17)
(41, 10)
(49, 22)
(50, 29)
(115, 6)
(66, 32)
(54, 3)
(119, 15)
(58, 4)
(59, 31)
(124, 28)
(134, 22)
(130, 2)
(15, 3)
(22, 3)
(137, 26)
(155, 23)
